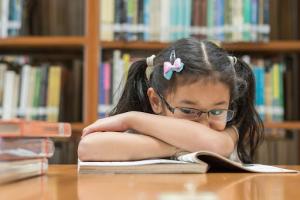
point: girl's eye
(187, 111)
(217, 112)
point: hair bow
(169, 68)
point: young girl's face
(210, 97)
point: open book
(198, 162)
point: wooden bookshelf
(290, 125)
(41, 42)
(134, 45)
(266, 47)
(78, 127)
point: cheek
(218, 126)
(166, 112)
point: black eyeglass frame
(198, 112)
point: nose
(203, 119)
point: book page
(190, 157)
(266, 168)
(131, 163)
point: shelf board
(291, 125)
(77, 127)
(41, 42)
(272, 46)
(133, 45)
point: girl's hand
(117, 123)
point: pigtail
(247, 119)
(134, 96)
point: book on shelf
(25, 148)
(269, 87)
(47, 17)
(40, 91)
(197, 162)
(155, 20)
(24, 128)
(21, 169)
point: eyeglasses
(224, 115)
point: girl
(192, 96)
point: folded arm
(115, 146)
(186, 135)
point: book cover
(197, 162)
(21, 169)
(25, 148)
(23, 128)
(152, 166)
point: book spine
(13, 128)
(219, 20)
(3, 68)
(247, 20)
(187, 18)
(228, 20)
(4, 18)
(146, 17)
(118, 74)
(164, 22)
(24, 92)
(210, 19)
(20, 148)
(140, 10)
(8, 105)
(254, 20)
(101, 97)
(21, 169)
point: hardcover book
(25, 148)
(21, 169)
(197, 162)
(23, 128)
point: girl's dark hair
(203, 60)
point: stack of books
(25, 147)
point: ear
(155, 101)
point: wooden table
(63, 182)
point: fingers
(91, 128)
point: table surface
(63, 182)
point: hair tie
(150, 61)
(150, 64)
(232, 60)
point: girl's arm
(186, 135)
(114, 146)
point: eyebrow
(189, 102)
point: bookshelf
(92, 48)
(261, 47)
(41, 42)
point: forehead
(203, 93)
